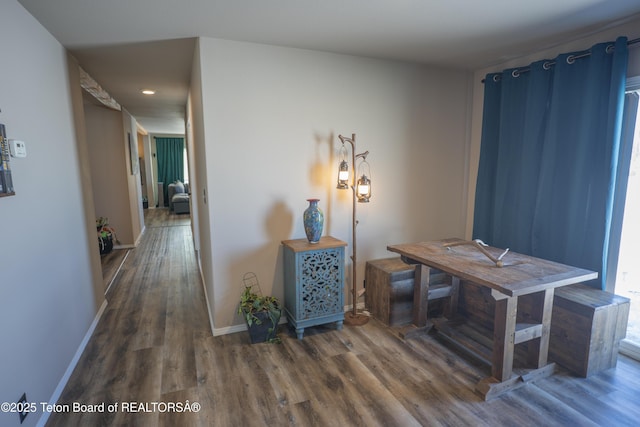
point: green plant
(106, 235)
(104, 230)
(251, 304)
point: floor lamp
(361, 192)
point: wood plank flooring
(111, 263)
(153, 346)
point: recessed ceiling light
(148, 92)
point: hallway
(143, 347)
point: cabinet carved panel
(314, 282)
(321, 283)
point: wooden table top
(520, 275)
(302, 245)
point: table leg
(503, 335)
(452, 308)
(420, 295)
(538, 349)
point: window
(628, 271)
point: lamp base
(355, 319)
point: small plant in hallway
(106, 235)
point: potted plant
(106, 235)
(262, 314)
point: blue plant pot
(313, 221)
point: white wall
(46, 296)
(109, 168)
(116, 191)
(150, 173)
(630, 29)
(133, 196)
(272, 116)
(86, 180)
(193, 183)
(199, 197)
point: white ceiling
(127, 45)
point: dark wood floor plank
(288, 384)
(179, 365)
(532, 405)
(111, 263)
(185, 414)
(306, 413)
(152, 321)
(376, 404)
(586, 402)
(213, 372)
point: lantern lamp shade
(343, 176)
(363, 189)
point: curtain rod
(570, 59)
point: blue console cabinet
(314, 282)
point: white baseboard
(144, 228)
(239, 328)
(206, 296)
(118, 271)
(243, 327)
(229, 330)
(72, 365)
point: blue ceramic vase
(313, 221)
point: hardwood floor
(111, 264)
(153, 348)
(163, 217)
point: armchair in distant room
(178, 194)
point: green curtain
(170, 158)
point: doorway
(628, 272)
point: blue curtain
(170, 158)
(549, 156)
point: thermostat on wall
(18, 148)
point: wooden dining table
(514, 276)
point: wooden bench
(587, 326)
(390, 290)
